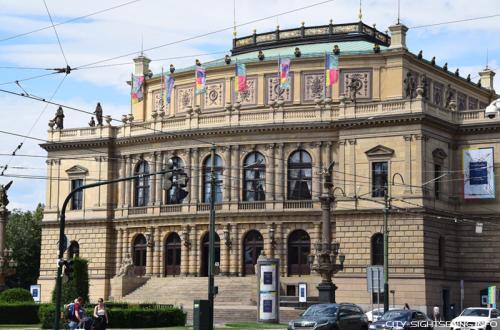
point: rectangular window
(379, 179)
(437, 180)
(77, 200)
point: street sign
(375, 278)
(302, 292)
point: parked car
(475, 318)
(331, 317)
(402, 319)
(375, 314)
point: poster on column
(267, 278)
(479, 174)
(267, 306)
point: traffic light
(167, 177)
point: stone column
(119, 249)
(185, 251)
(193, 252)
(316, 170)
(159, 192)
(128, 184)
(351, 169)
(150, 249)
(189, 171)
(233, 264)
(48, 198)
(280, 173)
(342, 166)
(327, 149)
(226, 247)
(153, 179)
(3, 222)
(226, 174)
(121, 185)
(420, 176)
(408, 165)
(235, 174)
(195, 176)
(281, 248)
(270, 169)
(127, 247)
(158, 248)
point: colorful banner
(331, 69)
(284, 73)
(170, 81)
(240, 79)
(200, 77)
(137, 92)
(492, 296)
(479, 175)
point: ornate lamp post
(326, 254)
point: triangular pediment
(77, 170)
(439, 154)
(380, 151)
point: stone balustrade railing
(276, 114)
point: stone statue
(92, 122)
(98, 114)
(450, 94)
(127, 267)
(353, 88)
(59, 118)
(424, 85)
(410, 86)
(4, 201)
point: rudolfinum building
(392, 118)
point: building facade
(393, 119)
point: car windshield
(395, 316)
(475, 312)
(321, 310)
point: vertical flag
(170, 87)
(284, 74)
(163, 90)
(200, 77)
(240, 80)
(331, 69)
(137, 92)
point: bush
(78, 286)
(46, 314)
(146, 318)
(19, 313)
(15, 295)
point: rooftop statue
(4, 201)
(98, 114)
(59, 118)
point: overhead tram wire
(57, 34)
(454, 21)
(70, 20)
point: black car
(402, 319)
(331, 317)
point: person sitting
(100, 315)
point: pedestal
(326, 292)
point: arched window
(218, 179)
(299, 175)
(254, 177)
(73, 250)
(299, 248)
(173, 255)
(378, 249)
(141, 193)
(205, 251)
(172, 194)
(253, 244)
(139, 254)
(441, 249)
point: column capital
(342, 142)
(408, 137)
(352, 141)
(421, 137)
(270, 146)
(316, 144)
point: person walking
(75, 316)
(436, 316)
(100, 315)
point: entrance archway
(172, 255)
(204, 253)
(299, 247)
(253, 244)
(139, 255)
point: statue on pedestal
(4, 201)
(127, 267)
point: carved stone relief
(214, 96)
(157, 100)
(273, 92)
(248, 97)
(313, 86)
(359, 81)
(184, 98)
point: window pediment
(380, 151)
(77, 170)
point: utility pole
(62, 224)
(211, 239)
(387, 206)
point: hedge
(15, 295)
(46, 314)
(19, 313)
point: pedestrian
(436, 316)
(100, 315)
(407, 307)
(75, 316)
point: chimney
(141, 65)
(398, 36)
(487, 78)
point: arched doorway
(139, 254)
(299, 247)
(204, 253)
(252, 246)
(172, 255)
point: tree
(23, 236)
(78, 285)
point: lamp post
(324, 260)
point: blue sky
(156, 22)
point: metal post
(211, 239)
(386, 250)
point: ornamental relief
(157, 100)
(273, 91)
(214, 96)
(248, 97)
(184, 98)
(313, 86)
(356, 84)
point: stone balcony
(234, 117)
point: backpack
(69, 312)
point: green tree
(78, 285)
(23, 236)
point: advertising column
(268, 287)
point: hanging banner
(137, 92)
(200, 80)
(284, 73)
(479, 174)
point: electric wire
(453, 21)
(55, 31)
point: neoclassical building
(394, 118)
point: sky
(146, 24)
